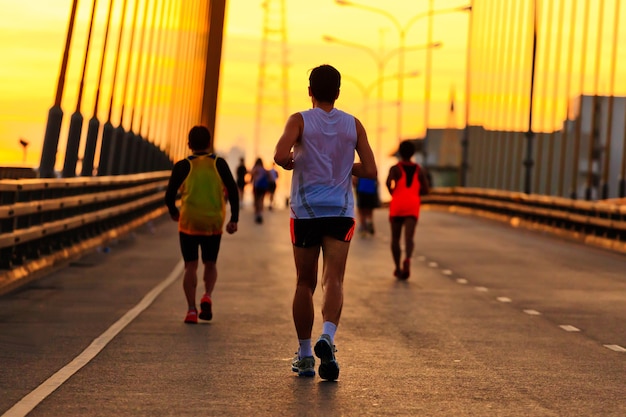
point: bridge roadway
(486, 325)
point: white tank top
(322, 176)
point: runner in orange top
(406, 182)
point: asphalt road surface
(494, 321)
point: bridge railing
(602, 223)
(52, 217)
(44, 222)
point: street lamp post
(465, 140)
(24, 144)
(381, 60)
(402, 31)
(366, 90)
(380, 66)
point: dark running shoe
(303, 366)
(406, 269)
(205, 308)
(325, 350)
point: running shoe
(303, 366)
(205, 308)
(406, 269)
(192, 316)
(325, 350)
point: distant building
(495, 157)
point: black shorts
(307, 233)
(367, 200)
(401, 219)
(259, 192)
(210, 246)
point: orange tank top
(405, 200)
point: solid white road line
(31, 400)
(569, 328)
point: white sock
(305, 348)
(329, 328)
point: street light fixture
(402, 31)
(366, 90)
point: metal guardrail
(602, 223)
(46, 222)
(58, 218)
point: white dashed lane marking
(530, 312)
(616, 348)
(569, 328)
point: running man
(367, 200)
(271, 188)
(201, 177)
(260, 184)
(318, 145)
(242, 173)
(406, 182)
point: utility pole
(273, 81)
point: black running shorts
(401, 219)
(367, 200)
(307, 233)
(210, 246)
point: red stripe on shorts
(350, 233)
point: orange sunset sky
(32, 36)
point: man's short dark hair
(407, 149)
(325, 81)
(199, 138)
